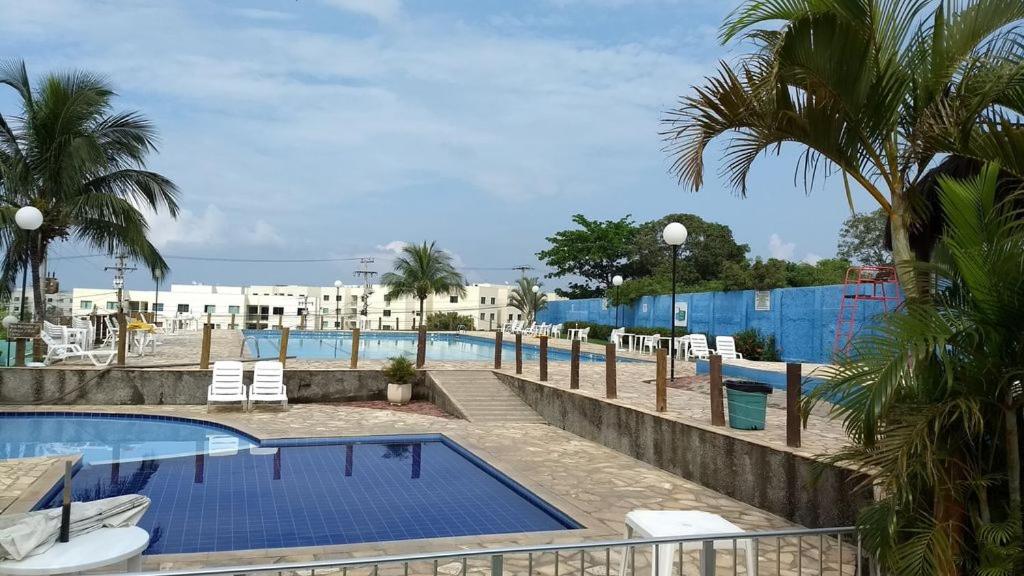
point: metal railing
(833, 551)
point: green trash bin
(748, 403)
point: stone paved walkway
(594, 484)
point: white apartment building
(61, 301)
(304, 307)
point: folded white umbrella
(33, 533)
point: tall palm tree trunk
(38, 298)
(423, 321)
(902, 254)
(1012, 456)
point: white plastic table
(95, 549)
(668, 523)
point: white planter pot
(399, 393)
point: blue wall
(803, 320)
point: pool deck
(595, 485)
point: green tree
(824, 272)
(523, 298)
(449, 321)
(862, 239)
(69, 154)
(931, 399)
(423, 270)
(709, 245)
(596, 251)
(877, 91)
(766, 275)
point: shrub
(448, 321)
(756, 346)
(399, 370)
(597, 331)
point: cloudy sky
(303, 129)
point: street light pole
(337, 304)
(674, 235)
(617, 282)
(28, 218)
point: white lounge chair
(682, 523)
(698, 347)
(268, 384)
(85, 332)
(726, 346)
(227, 384)
(616, 337)
(59, 348)
(112, 328)
(650, 343)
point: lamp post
(533, 305)
(27, 218)
(617, 281)
(337, 304)
(674, 235)
(157, 276)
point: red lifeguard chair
(863, 283)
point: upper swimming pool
(213, 489)
(384, 345)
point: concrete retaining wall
(134, 386)
(792, 486)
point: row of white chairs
(691, 345)
(520, 327)
(227, 384)
(63, 343)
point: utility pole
(367, 276)
(522, 269)
(119, 269)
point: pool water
(315, 493)
(108, 437)
(384, 345)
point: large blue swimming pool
(383, 345)
(239, 494)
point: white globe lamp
(337, 283)
(8, 320)
(535, 289)
(28, 218)
(674, 234)
(617, 280)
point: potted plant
(399, 371)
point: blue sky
(341, 128)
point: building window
(337, 298)
(481, 315)
(387, 301)
(492, 315)
(182, 308)
(509, 316)
(483, 300)
(85, 305)
(453, 299)
(519, 316)
(233, 309)
(278, 311)
(492, 300)
(111, 305)
(324, 310)
(210, 309)
(253, 309)
(387, 312)
(158, 307)
(337, 324)
(327, 297)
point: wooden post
(543, 358)
(280, 321)
(497, 350)
(661, 392)
(355, 348)
(209, 318)
(19, 352)
(519, 353)
(122, 338)
(421, 347)
(717, 402)
(204, 354)
(610, 384)
(282, 348)
(574, 366)
(232, 327)
(793, 381)
(380, 322)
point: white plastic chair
(682, 523)
(616, 337)
(698, 347)
(58, 347)
(85, 332)
(583, 334)
(726, 346)
(226, 384)
(268, 384)
(650, 343)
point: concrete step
(483, 398)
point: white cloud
(777, 248)
(210, 227)
(394, 247)
(381, 10)
(812, 258)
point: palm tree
(523, 298)
(83, 165)
(932, 398)
(879, 91)
(421, 271)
